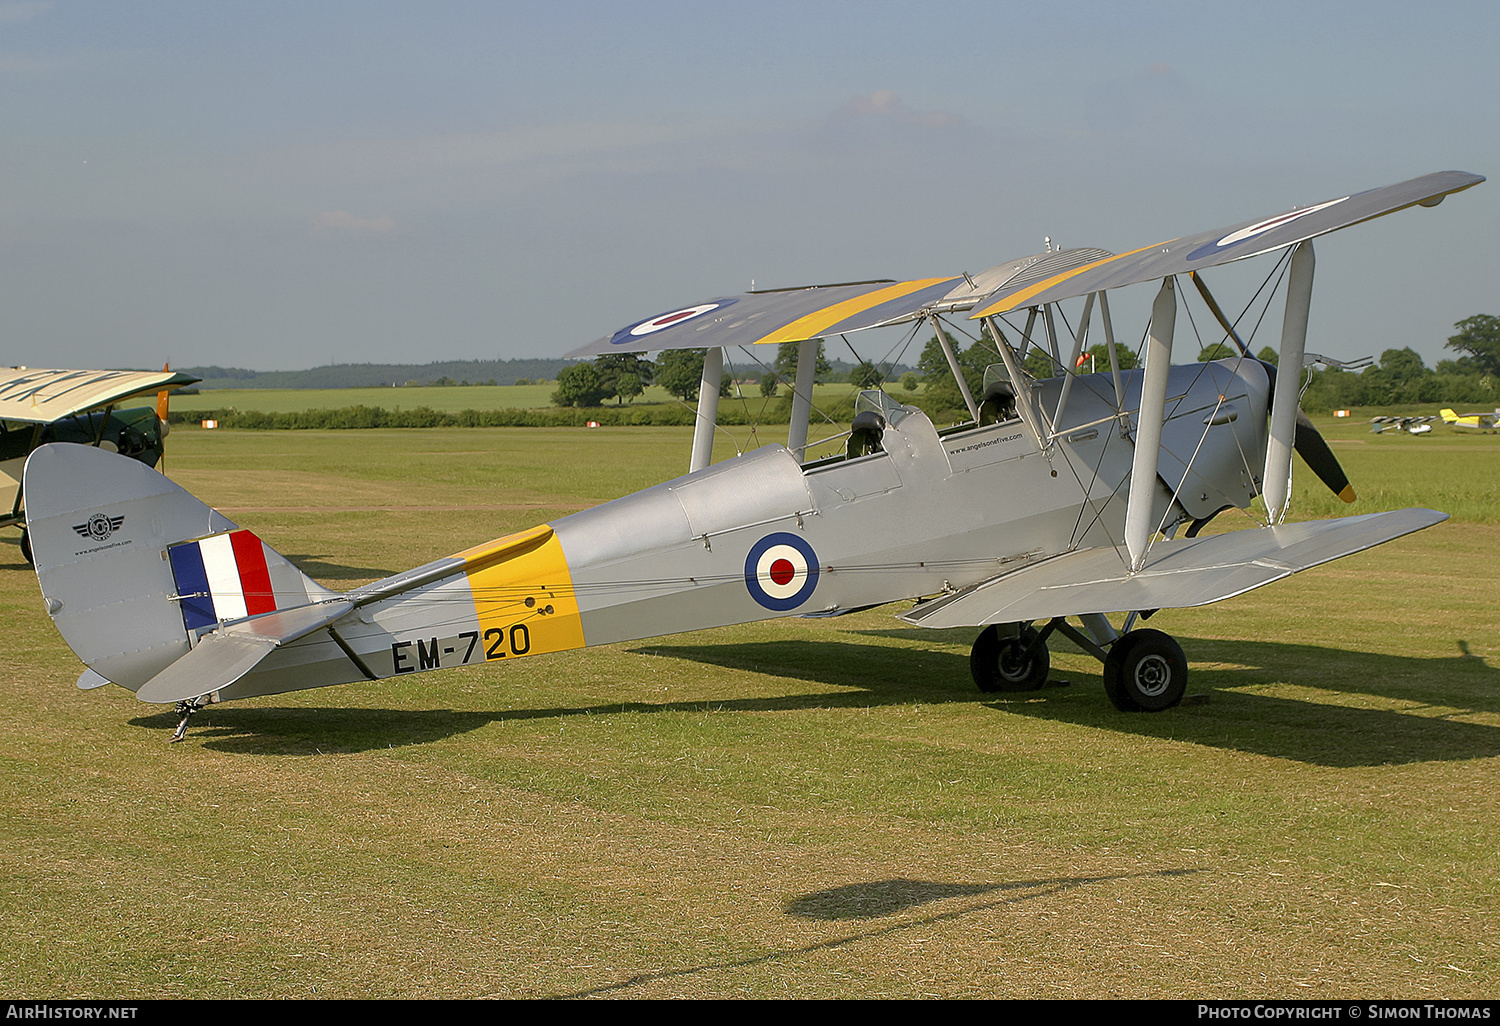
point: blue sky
(281, 185)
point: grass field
(797, 808)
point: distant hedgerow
(760, 410)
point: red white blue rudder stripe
(221, 578)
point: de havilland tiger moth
(1066, 498)
(39, 406)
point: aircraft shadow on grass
(858, 676)
(303, 730)
(10, 555)
(877, 899)
(883, 899)
(1306, 731)
(315, 567)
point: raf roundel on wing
(1259, 228)
(666, 320)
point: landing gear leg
(186, 710)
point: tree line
(623, 376)
(1400, 376)
(381, 375)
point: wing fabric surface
(1180, 573)
(42, 396)
(795, 315)
(1223, 245)
(765, 318)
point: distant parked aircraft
(1475, 421)
(41, 406)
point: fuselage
(763, 535)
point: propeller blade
(163, 401)
(1213, 308)
(162, 398)
(1309, 443)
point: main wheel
(1145, 672)
(26, 547)
(1009, 664)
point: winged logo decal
(99, 526)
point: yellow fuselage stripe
(820, 320)
(523, 595)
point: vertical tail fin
(133, 568)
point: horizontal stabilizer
(227, 654)
(1178, 573)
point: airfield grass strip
(794, 808)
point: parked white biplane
(41, 406)
(1411, 425)
(1076, 496)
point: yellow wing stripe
(1018, 299)
(819, 321)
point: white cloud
(887, 104)
(362, 159)
(16, 64)
(22, 11)
(341, 222)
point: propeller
(1307, 440)
(163, 401)
(1309, 443)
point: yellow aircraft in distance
(1477, 421)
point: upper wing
(785, 315)
(1195, 252)
(796, 315)
(42, 396)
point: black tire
(1145, 672)
(26, 547)
(1020, 663)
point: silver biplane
(42, 406)
(1066, 498)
